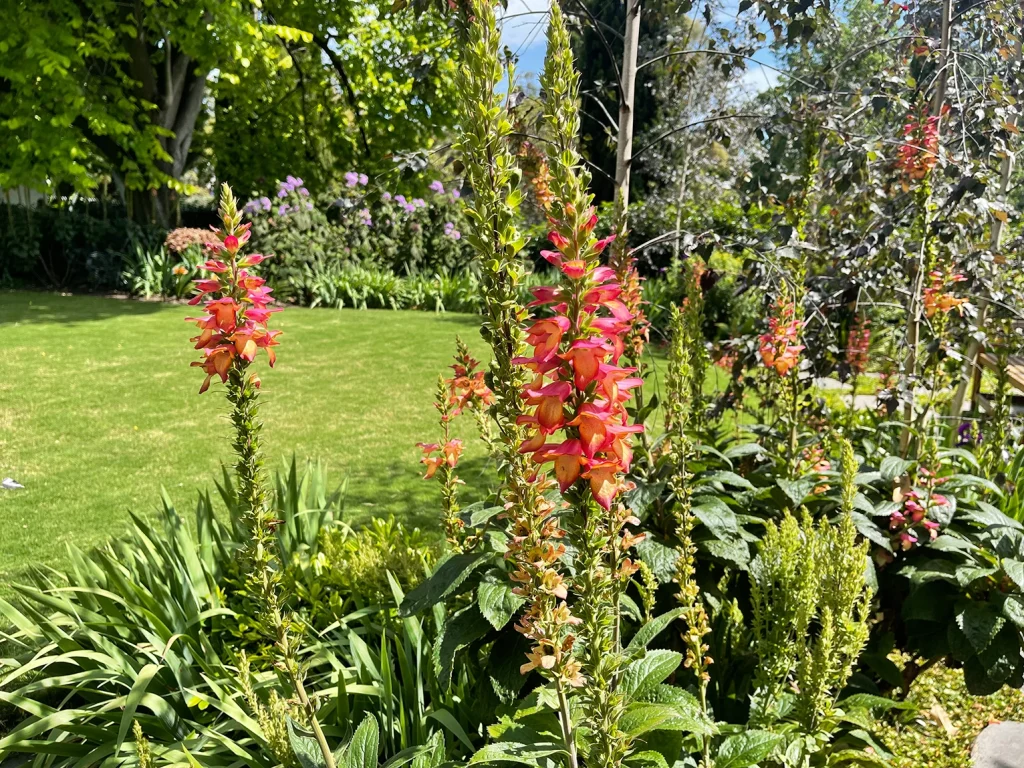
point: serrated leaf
(459, 631)
(513, 752)
(442, 582)
(643, 675)
(717, 517)
(746, 749)
(646, 717)
(305, 747)
(497, 602)
(362, 750)
(796, 490)
(659, 558)
(648, 757)
(980, 624)
(894, 467)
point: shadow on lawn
(413, 501)
(29, 307)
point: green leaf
(980, 623)
(459, 631)
(894, 467)
(305, 747)
(747, 748)
(796, 490)
(447, 719)
(653, 628)
(648, 757)
(643, 675)
(146, 675)
(497, 602)
(744, 449)
(362, 750)
(513, 752)
(718, 518)
(723, 478)
(660, 559)
(508, 654)
(972, 481)
(1015, 570)
(1013, 609)
(442, 582)
(644, 717)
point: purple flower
(303, 191)
(363, 179)
(448, 227)
(309, 206)
(251, 207)
(400, 199)
(456, 194)
(419, 202)
(456, 235)
(409, 208)
(265, 202)
(351, 179)
(282, 210)
(364, 216)
(437, 186)
(386, 196)
(282, 192)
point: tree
(116, 87)
(364, 86)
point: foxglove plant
(536, 547)
(233, 330)
(578, 397)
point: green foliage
(70, 248)
(159, 272)
(364, 228)
(146, 630)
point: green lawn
(99, 409)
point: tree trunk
(956, 405)
(624, 151)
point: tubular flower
(447, 450)
(919, 152)
(938, 296)
(780, 348)
(858, 344)
(912, 521)
(236, 301)
(579, 388)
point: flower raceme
(237, 305)
(579, 391)
(938, 296)
(780, 348)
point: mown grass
(99, 409)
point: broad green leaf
(362, 750)
(746, 749)
(448, 577)
(512, 752)
(643, 675)
(660, 558)
(644, 717)
(648, 757)
(497, 602)
(305, 747)
(459, 631)
(894, 467)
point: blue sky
(525, 28)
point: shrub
(67, 248)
